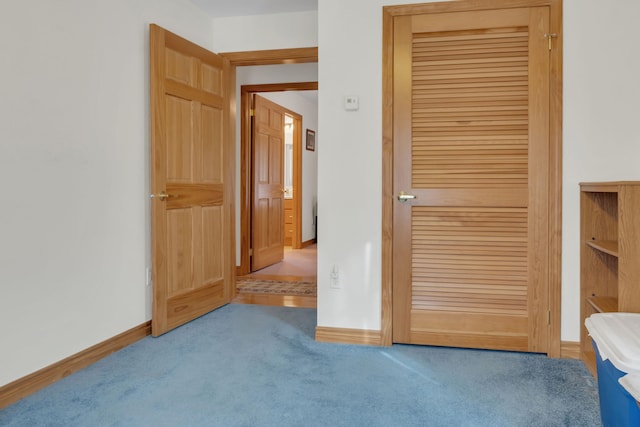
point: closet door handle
(403, 197)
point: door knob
(403, 197)
(162, 196)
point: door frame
(246, 173)
(250, 58)
(555, 156)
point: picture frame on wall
(311, 140)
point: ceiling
(223, 8)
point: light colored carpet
(250, 365)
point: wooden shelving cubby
(609, 253)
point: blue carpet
(247, 365)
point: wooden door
(471, 143)
(191, 181)
(267, 224)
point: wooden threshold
(276, 300)
(38, 380)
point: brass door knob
(162, 196)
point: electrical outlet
(149, 276)
(334, 277)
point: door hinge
(550, 37)
(250, 252)
(252, 112)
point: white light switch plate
(351, 103)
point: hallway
(289, 283)
(301, 263)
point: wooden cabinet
(289, 222)
(609, 253)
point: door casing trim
(555, 160)
(246, 154)
(250, 58)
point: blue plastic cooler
(616, 340)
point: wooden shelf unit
(609, 253)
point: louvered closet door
(471, 143)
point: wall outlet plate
(351, 103)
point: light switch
(351, 103)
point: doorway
(292, 281)
(193, 269)
(246, 174)
(247, 59)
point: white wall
(74, 144)
(349, 164)
(601, 136)
(265, 32)
(74, 157)
(601, 141)
(297, 103)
